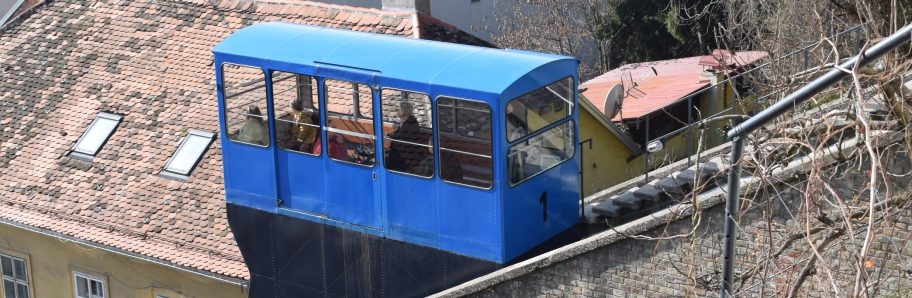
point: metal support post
(646, 151)
(731, 211)
(582, 204)
(690, 123)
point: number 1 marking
(543, 200)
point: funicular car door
(298, 131)
(351, 167)
(408, 160)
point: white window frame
(171, 173)
(75, 152)
(16, 281)
(89, 279)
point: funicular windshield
(528, 115)
(464, 134)
(350, 129)
(244, 93)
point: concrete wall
(52, 261)
(612, 265)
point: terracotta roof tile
(151, 62)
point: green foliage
(645, 30)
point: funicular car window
(540, 153)
(297, 113)
(244, 93)
(464, 136)
(408, 129)
(349, 125)
(537, 109)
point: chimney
(422, 6)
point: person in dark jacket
(404, 155)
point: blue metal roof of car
(393, 57)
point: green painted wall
(52, 261)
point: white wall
(473, 16)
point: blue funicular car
(361, 164)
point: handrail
(737, 133)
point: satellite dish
(613, 101)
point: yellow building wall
(606, 163)
(52, 261)
(610, 162)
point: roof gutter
(60, 236)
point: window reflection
(534, 110)
(464, 136)
(540, 153)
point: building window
(408, 146)
(96, 135)
(537, 109)
(164, 293)
(349, 122)
(15, 277)
(464, 140)
(540, 153)
(188, 154)
(296, 107)
(244, 95)
(88, 286)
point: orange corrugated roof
(658, 83)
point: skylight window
(188, 154)
(96, 135)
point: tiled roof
(149, 61)
(660, 83)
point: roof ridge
(246, 4)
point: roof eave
(603, 119)
(129, 254)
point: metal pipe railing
(738, 133)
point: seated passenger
(305, 131)
(285, 132)
(337, 148)
(404, 156)
(450, 166)
(254, 130)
